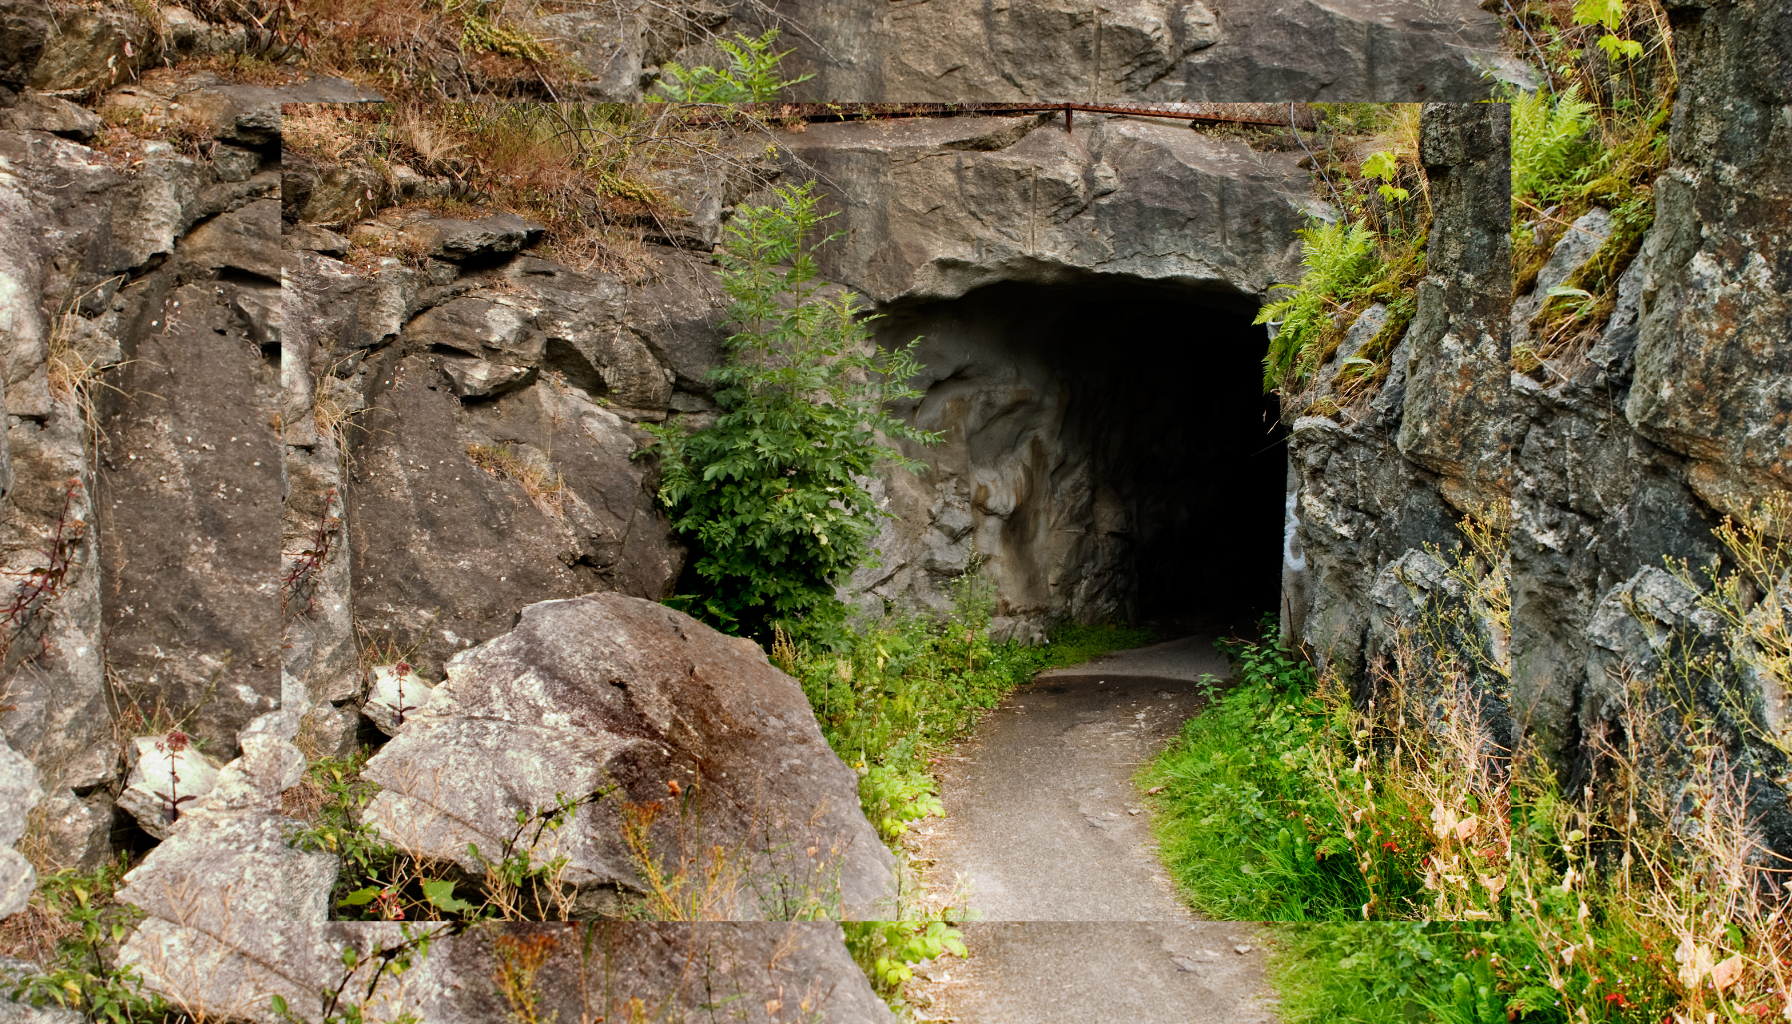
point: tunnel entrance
(1108, 451)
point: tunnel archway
(1108, 451)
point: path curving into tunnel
(1043, 822)
(1073, 917)
(1108, 454)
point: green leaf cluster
(1550, 143)
(886, 949)
(773, 497)
(751, 77)
(1340, 262)
(83, 974)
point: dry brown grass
(547, 492)
(584, 171)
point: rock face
(1377, 486)
(1677, 416)
(493, 463)
(939, 207)
(162, 261)
(607, 692)
(19, 794)
(192, 440)
(765, 973)
(1271, 50)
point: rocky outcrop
(1379, 482)
(939, 207)
(19, 795)
(1272, 50)
(156, 258)
(690, 733)
(764, 973)
(487, 426)
(1674, 418)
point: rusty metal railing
(1296, 115)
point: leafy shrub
(1549, 143)
(772, 498)
(83, 973)
(885, 950)
(1373, 252)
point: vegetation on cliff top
(1367, 167)
(1593, 134)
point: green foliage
(1373, 252)
(380, 882)
(751, 77)
(893, 797)
(1245, 821)
(1339, 258)
(1610, 14)
(900, 691)
(1550, 144)
(1384, 167)
(772, 498)
(884, 950)
(84, 974)
(1460, 973)
(1595, 136)
(1395, 972)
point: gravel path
(1046, 837)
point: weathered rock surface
(1394, 477)
(19, 793)
(190, 438)
(607, 691)
(490, 449)
(939, 207)
(166, 776)
(1269, 50)
(1679, 413)
(764, 973)
(234, 914)
(1456, 421)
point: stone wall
(1268, 50)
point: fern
(1339, 261)
(1549, 143)
(752, 78)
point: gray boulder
(757, 972)
(616, 694)
(234, 914)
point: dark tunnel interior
(1159, 402)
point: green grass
(1245, 820)
(1391, 973)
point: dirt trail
(1074, 918)
(1042, 819)
(1198, 972)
